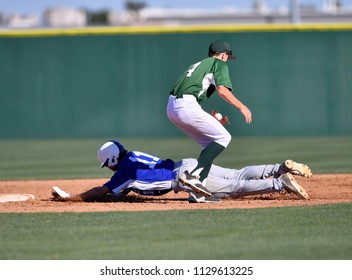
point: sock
(282, 169)
(206, 159)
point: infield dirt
(322, 189)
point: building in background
(65, 17)
(137, 13)
(19, 21)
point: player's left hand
(223, 120)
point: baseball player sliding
(196, 85)
(146, 174)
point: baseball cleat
(58, 193)
(199, 198)
(291, 186)
(297, 168)
(191, 181)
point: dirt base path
(322, 189)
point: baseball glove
(223, 120)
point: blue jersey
(141, 168)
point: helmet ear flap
(113, 160)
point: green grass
(290, 233)
(57, 159)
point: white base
(12, 197)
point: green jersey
(201, 79)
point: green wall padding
(117, 85)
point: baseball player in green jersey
(196, 85)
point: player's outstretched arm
(94, 194)
(228, 96)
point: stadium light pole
(294, 11)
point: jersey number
(192, 69)
(144, 158)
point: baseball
(218, 116)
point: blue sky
(38, 6)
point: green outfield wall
(115, 82)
